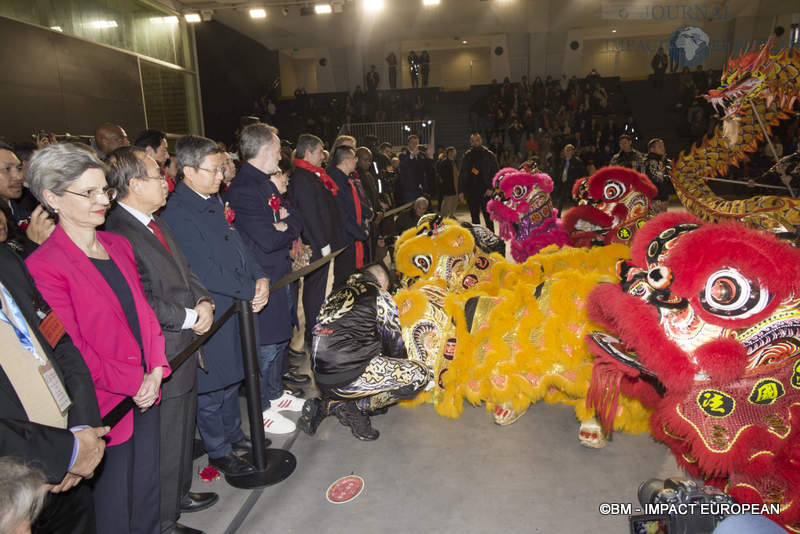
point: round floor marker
(345, 489)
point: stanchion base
(280, 464)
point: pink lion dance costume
(525, 213)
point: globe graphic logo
(623, 13)
(689, 46)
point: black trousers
(126, 486)
(175, 455)
(313, 296)
(67, 513)
(393, 77)
(344, 265)
(477, 205)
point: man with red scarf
(353, 213)
(314, 194)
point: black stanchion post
(271, 465)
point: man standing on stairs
(659, 64)
(475, 179)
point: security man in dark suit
(475, 179)
(203, 227)
(183, 307)
(48, 409)
(314, 193)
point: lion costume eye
(728, 293)
(613, 190)
(659, 277)
(422, 262)
(519, 191)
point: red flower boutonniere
(230, 215)
(275, 204)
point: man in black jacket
(569, 170)
(475, 179)
(314, 193)
(48, 409)
(183, 307)
(358, 356)
(415, 174)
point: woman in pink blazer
(90, 280)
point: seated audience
(359, 358)
(90, 280)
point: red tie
(159, 235)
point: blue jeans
(270, 363)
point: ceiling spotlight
(613, 30)
(192, 17)
(373, 5)
(57, 28)
(103, 24)
(320, 9)
(463, 42)
(430, 2)
(258, 13)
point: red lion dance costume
(709, 321)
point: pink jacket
(95, 320)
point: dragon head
(743, 80)
(612, 204)
(701, 303)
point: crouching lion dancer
(358, 356)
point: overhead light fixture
(258, 13)
(430, 2)
(164, 20)
(463, 42)
(57, 28)
(613, 30)
(373, 5)
(320, 9)
(192, 18)
(103, 24)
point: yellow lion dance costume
(504, 334)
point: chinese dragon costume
(706, 331)
(759, 89)
(499, 333)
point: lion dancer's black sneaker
(349, 414)
(314, 411)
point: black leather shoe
(194, 502)
(183, 529)
(231, 465)
(314, 411)
(296, 378)
(294, 391)
(245, 445)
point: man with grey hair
(409, 218)
(313, 192)
(203, 227)
(183, 308)
(268, 228)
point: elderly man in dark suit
(183, 307)
(48, 409)
(313, 192)
(268, 226)
(203, 227)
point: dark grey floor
(427, 473)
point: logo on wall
(689, 46)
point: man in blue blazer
(203, 227)
(268, 226)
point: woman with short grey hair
(90, 280)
